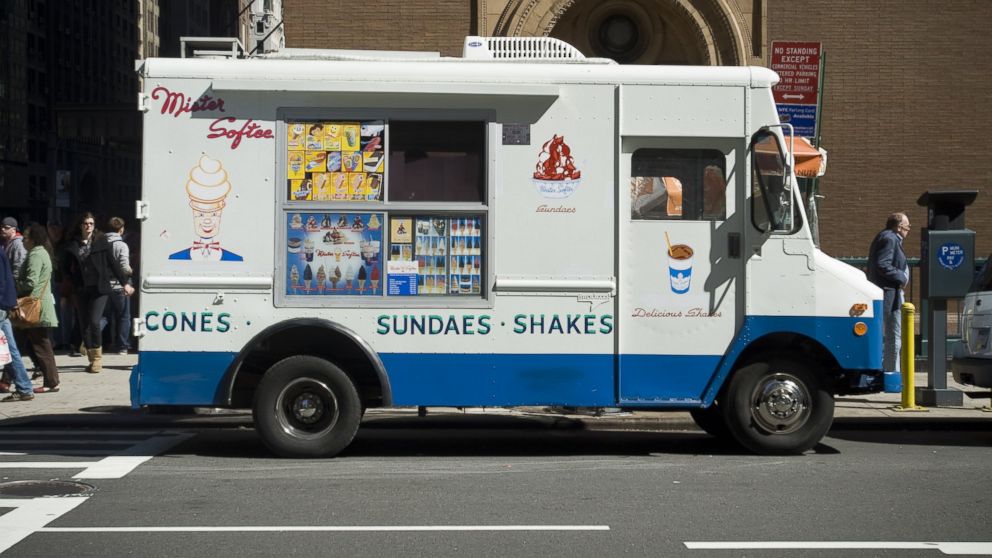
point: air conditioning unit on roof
(519, 48)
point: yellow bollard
(908, 360)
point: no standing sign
(798, 66)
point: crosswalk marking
(133, 451)
(122, 451)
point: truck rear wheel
(306, 406)
(778, 406)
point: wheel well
(793, 345)
(306, 339)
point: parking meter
(947, 264)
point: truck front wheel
(778, 406)
(306, 406)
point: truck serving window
(437, 161)
(371, 218)
(686, 184)
(772, 207)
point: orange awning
(810, 161)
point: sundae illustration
(207, 188)
(555, 175)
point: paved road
(498, 486)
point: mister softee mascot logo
(207, 189)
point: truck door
(680, 267)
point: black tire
(778, 407)
(306, 407)
(711, 421)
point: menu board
(335, 161)
(334, 254)
(447, 252)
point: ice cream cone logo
(207, 188)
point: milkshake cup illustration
(308, 249)
(679, 266)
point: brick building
(904, 98)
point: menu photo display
(431, 255)
(336, 161)
(334, 254)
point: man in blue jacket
(888, 269)
(8, 301)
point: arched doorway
(699, 32)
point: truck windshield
(771, 196)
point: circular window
(619, 37)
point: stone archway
(700, 32)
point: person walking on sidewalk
(888, 269)
(120, 307)
(89, 259)
(36, 281)
(8, 301)
(13, 245)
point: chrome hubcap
(306, 408)
(780, 404)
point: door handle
(734, 245)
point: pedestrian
(8, 301)
(70, 335)
(13, 245)
(36, 281)
(88, 258)
(119, 307)
(888, 269)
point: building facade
(903, 96)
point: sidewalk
(107, 395)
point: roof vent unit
(519, 48)
(210, 47)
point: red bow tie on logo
(206, 247)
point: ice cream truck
(325, 232)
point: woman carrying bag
(91, 265)
(36, 281)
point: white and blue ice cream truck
(326, 232)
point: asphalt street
(84, 475)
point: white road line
(123, 462)
(974, 548)
(113, 466)
(29, 516)
(323, 528)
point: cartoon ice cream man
(207, 189)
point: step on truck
(325, 232)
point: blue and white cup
(680, 268)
